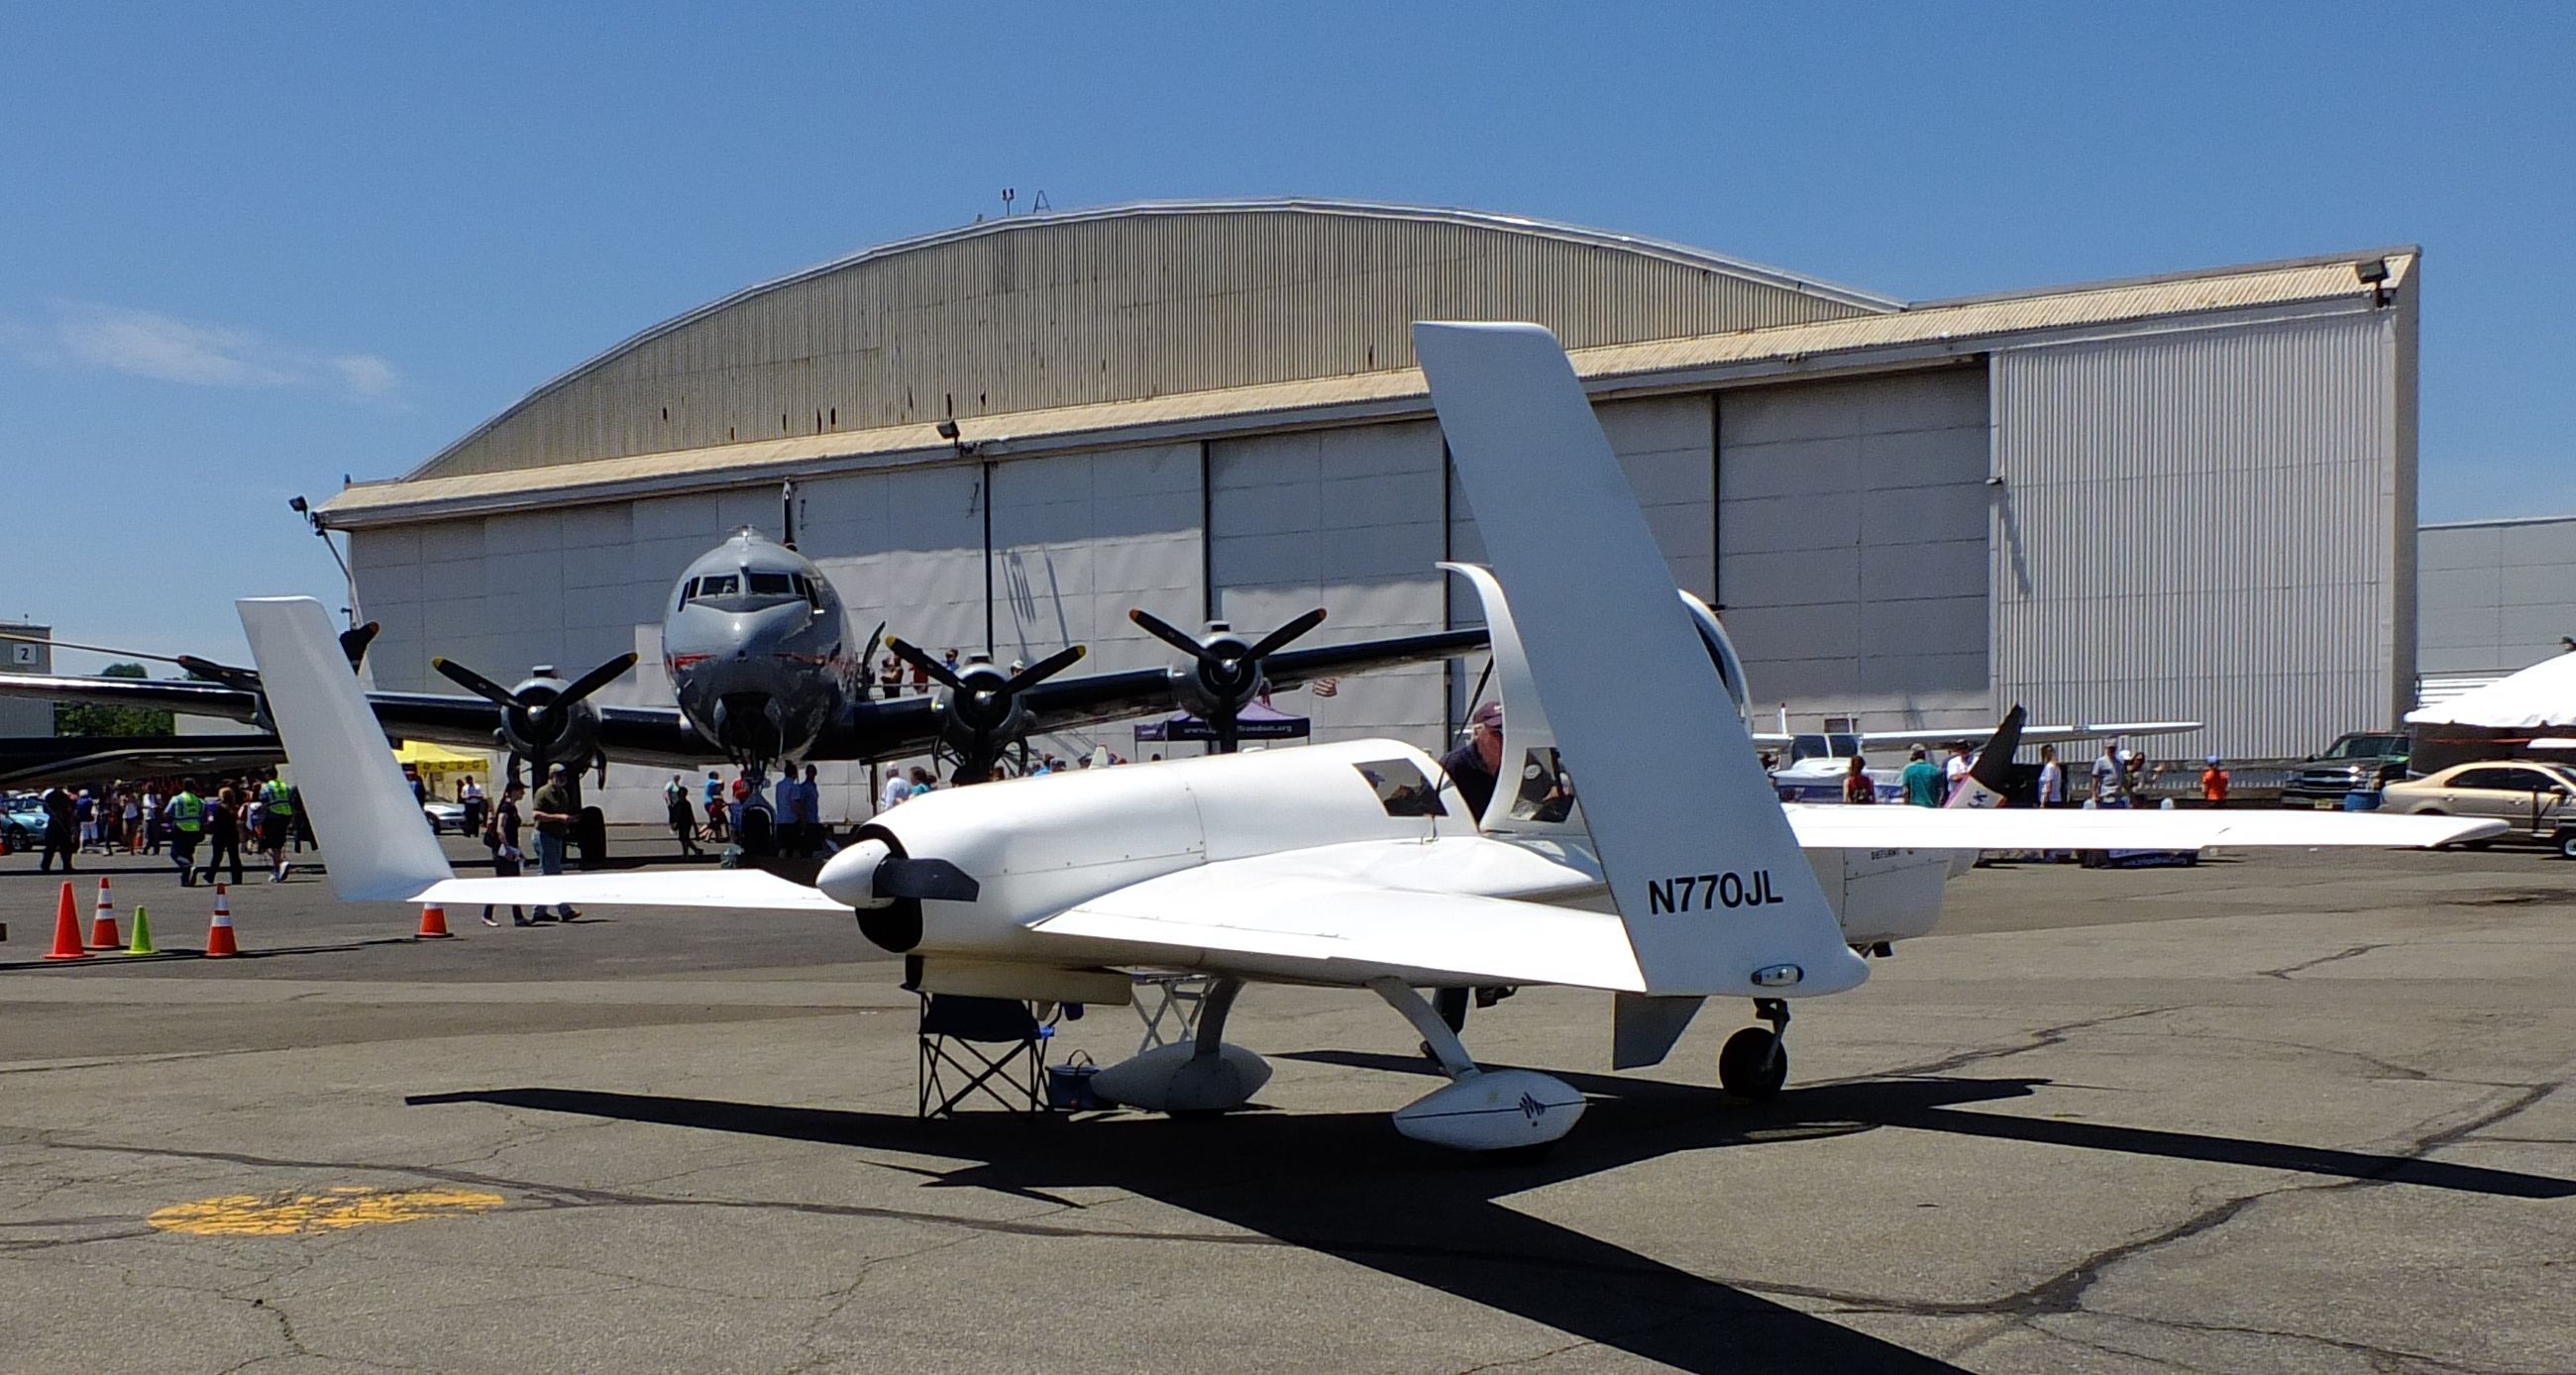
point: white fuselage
(1038, 846)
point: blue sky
(247, 249)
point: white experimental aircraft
(1676, 875)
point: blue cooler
(2361, 800)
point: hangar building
(2498, 597)
(2189, 495)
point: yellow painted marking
(287, 1212)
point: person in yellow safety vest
(276, 824)
(187, 814)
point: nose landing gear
(1754, 1062)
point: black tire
(1747, 1068)
(2567, 846)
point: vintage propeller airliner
(1674, 876)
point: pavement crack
(2041, 1039)
(2287, 970)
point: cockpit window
(1401, 788)
(717, 585)
(773, 585)
(1546, 790)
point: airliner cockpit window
(773, 585)
(1401, 788)
(717, 585)
(1546, 790)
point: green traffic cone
(142, 942)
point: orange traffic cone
(67, 941)
(433, 923)
(219, 933)
(102, 925)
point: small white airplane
(1675, 876)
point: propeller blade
(868, 656)
(1044, 669)
(596, 679)
(474, 682)
(911, 654)
(354, 642)
(1164, 631)
(240, 679)
(899, 876)
(1272, 642)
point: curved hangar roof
(1120, 304)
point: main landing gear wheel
(1754, 1062)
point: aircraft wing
(29, 761)
(1148, 691)
(891, 728)
(192, 698)
(642, 735)
(1276, 911)
(2075, 828)
(734, 890)
(879, 728)
(2030, 735)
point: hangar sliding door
(1852, 547)
(1349, 520)
(1078, 539)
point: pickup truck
(2361, 759)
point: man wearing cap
(557, 806)
(1923, 782)
(2213, 784)
(1475, 765)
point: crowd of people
(173, 816)
(2118, 778)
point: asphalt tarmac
(2306, 1112)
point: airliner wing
(1067, 702)
(1274, 913)
(2070, 828)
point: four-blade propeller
(544, 718)
(980, 713)
(1225, 675)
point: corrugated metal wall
(1062, 312)
(2203, 525)
(2496, 596)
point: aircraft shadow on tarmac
(1431, 1217)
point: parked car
(22, 819)
(2362, 759)
(2537, 800)
(445, 818)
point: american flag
(1326, 687)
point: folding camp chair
(995, 1046)
(1168, 1004)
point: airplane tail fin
(1701, 863)
(377, 847)
(1991, 776)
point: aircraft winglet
(1707, 876)
(379, 848)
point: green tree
(88, 719)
